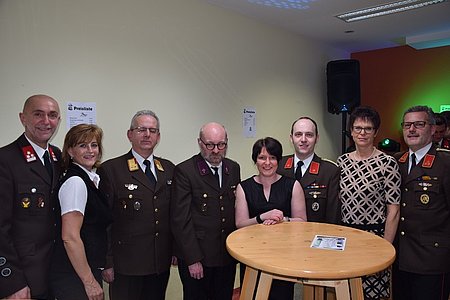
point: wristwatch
(258, 219)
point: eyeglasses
(211, 146)
(142, 130)
(359, 129)
(416, 124)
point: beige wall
(189, 61)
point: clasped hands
(272, 217)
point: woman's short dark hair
(272, 146)
(82, 133)
(365, 113)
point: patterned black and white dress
(366, 187)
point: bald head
(213, 142)
(212, 128)
(40, 118)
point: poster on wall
(81, 113)
(249, 122)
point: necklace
(359, 157)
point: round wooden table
(283, 251)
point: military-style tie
(216, 174)
(298, 171)
(413, 162)
(48, 164)
(149, 173)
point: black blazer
(140, 240)
(321, 186)
(203, 213)
(26, 218)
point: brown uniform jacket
(423, 235)
(140, 237)
(26, 218)
(321, 186)
(203, 213)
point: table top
(284, 249)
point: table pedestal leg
(249, 284)
(342, 292)
(356, 288)
(265, 282)
(313, 292)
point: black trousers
(68, 286)
(217, 282)
(412, 286)
(142, 287)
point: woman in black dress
(270, 198)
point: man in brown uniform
(203, 217)
(319, 177)
(29, 172)
(138, 184)
(423, 234)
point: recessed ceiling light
(386, 9)
(284, 4)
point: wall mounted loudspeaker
(343, 88)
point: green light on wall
(432, 90)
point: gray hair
(422, 108)
(144, 112)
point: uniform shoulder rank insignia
(132, 164)
(289, 163)
(28, 153)
(404, 157)
(330, 161)
(314, 168)
(428, 161)
(443, 150)
(158, 165)
(50, 150)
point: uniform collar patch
(314, 167)
(289, 163)
(404, 157)
(28, 153)
(158, 165)
(50, 150)
(428, 161)
(132, 164)
(203, 167)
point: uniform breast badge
(424, 198)
(131, 187)
(315, 206)
(25, 202)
